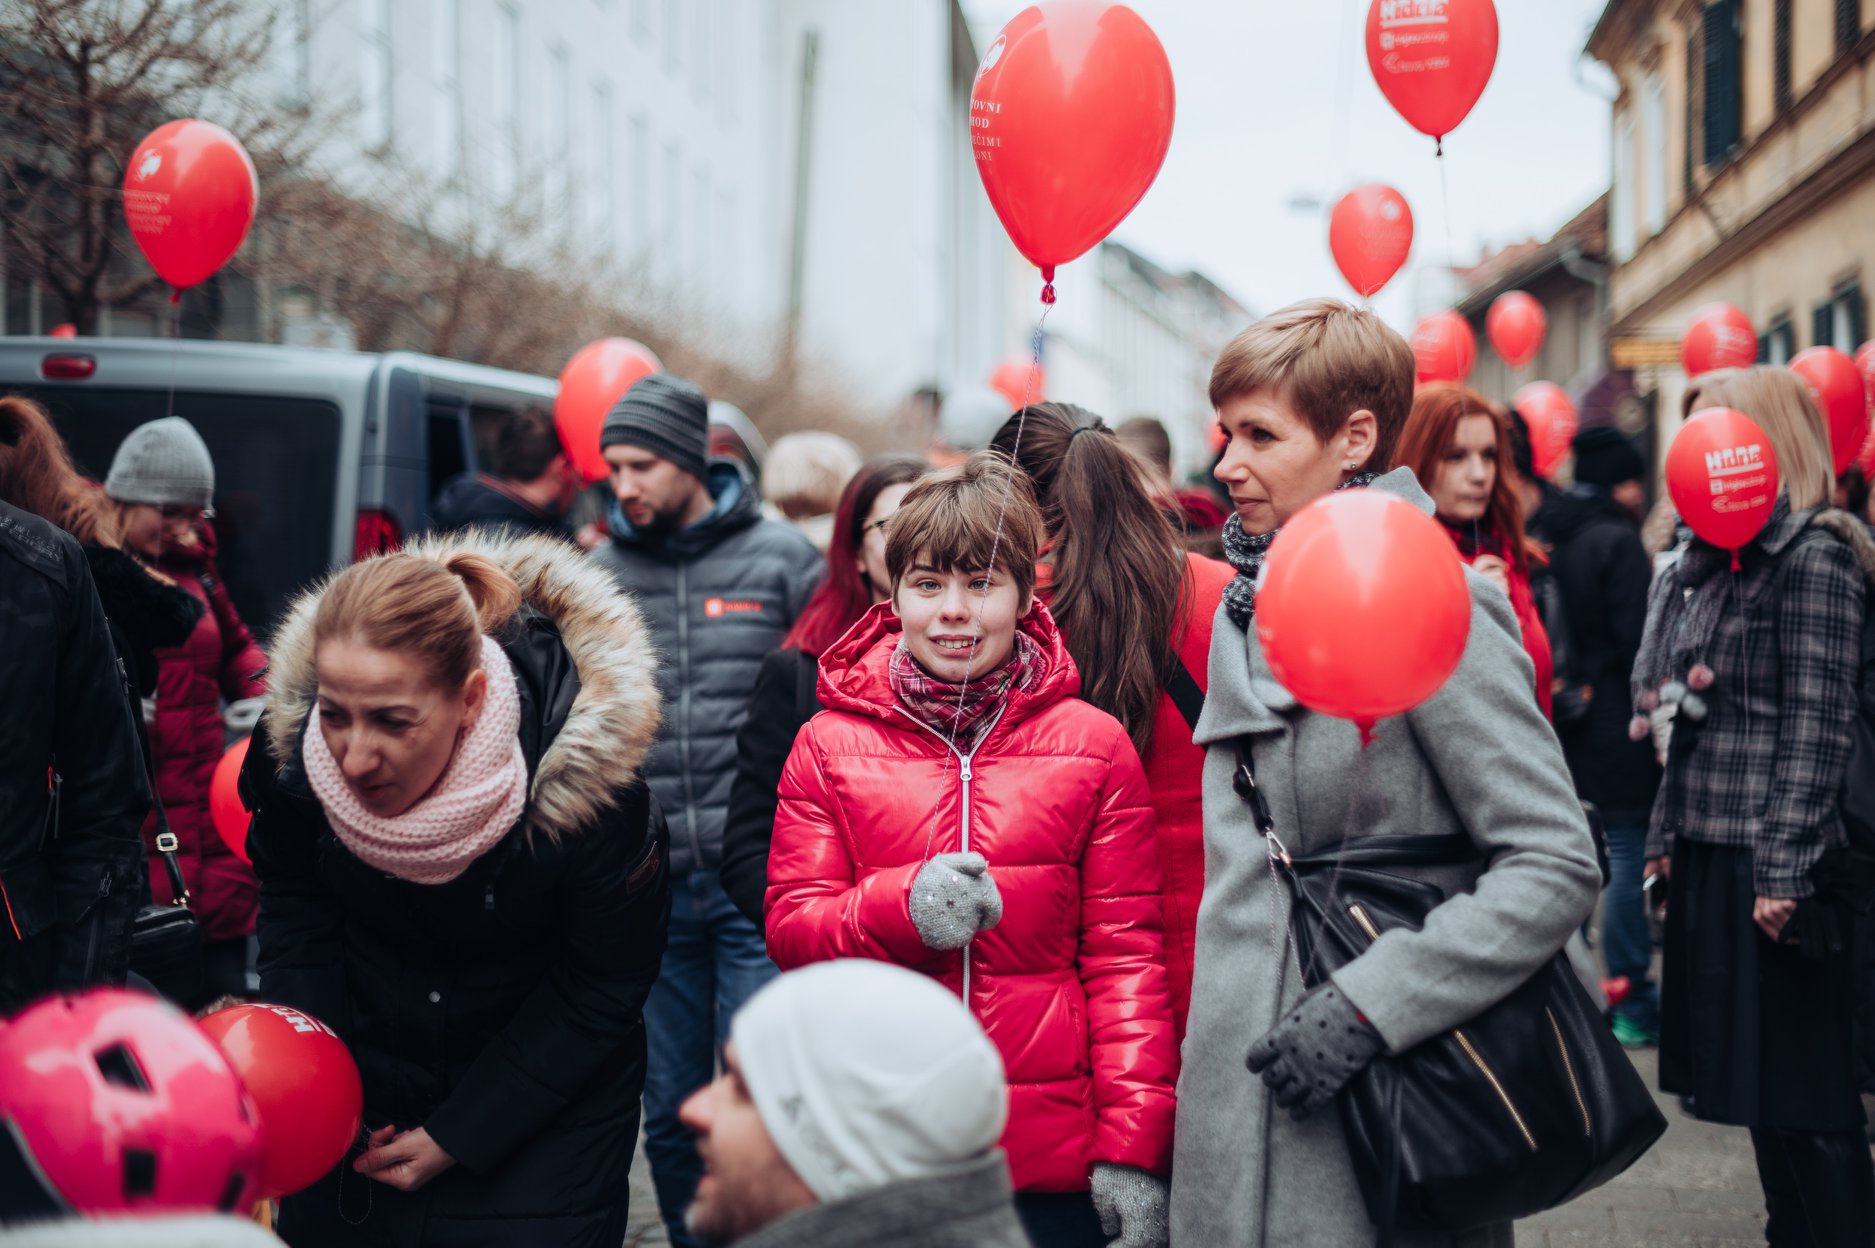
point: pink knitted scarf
(480, 795)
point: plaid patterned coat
(1764, 770)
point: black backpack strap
(1183, 688)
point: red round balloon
(595, 379)
(1370, 233)
(1363, 611)
(225, 810)
(304, 1083)
(1432, 58)
(1070, 120)
(1865, 364)
(1546, 409)
(1722, 476)
(1011, 380)
(1836, 385)
(1721, 336)
(63, 330)
(1444, 348)
(189, 197)
(1516, 326)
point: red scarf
(963, 714)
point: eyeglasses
(176, 511)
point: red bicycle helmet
(119, 1103)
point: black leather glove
(1313, 1052)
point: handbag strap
(167, 843)
(1182, 687)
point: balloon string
(175, 350)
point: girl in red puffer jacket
(957, 810)
(162, 481)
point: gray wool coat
(1479, 757)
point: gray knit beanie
(164, 463)
(665, 415)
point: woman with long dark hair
(1756, 660)
(785, 695)
(1457, 443)
(1135, 610)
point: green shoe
(1631, 1035)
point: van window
(276, 477)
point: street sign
(1644, 352)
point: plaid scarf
(1246, 553)
(963, 714)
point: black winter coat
(1603, 575)
(786, 696)
(71, 870)
(502, 1011)
(478, 500)
(145, 615)
(719, 596)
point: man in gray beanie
(720, 587)
(859, 1104)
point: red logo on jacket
(717, 608)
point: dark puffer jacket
(70, 883)
(502, 1011)
(218, 660)
(1602, 574)
(479, 500)
(719, 596)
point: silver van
(321, 457)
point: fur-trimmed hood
(612, 722)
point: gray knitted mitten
(1308, 1056)
(953, 897)
(1132, 1206)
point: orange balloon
(1516, 326)
(1546, 409)
(189, 197)
(304, 1083)
(595, 379)
(1722, 476)
(1011, 380)
(1363, 612)
(225, 810)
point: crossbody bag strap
(1182, 687)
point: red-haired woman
(786, 689)
(1457, 442)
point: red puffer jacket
(1071, 985)
(219, 660)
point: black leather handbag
(1523, 1108)
(166, 939)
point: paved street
(1698, 1186)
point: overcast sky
(1276, 103)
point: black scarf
(1246, 554)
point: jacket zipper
(683, 711)
(1569, 1068)
(964, 774)
(1464, 1042)
(96, 913)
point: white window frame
(1654, 155)
(1621, 208)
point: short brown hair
(436, 607)
(981, 511)
(1327, 360)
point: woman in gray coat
(1309, 398)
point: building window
(505, 96)
(445, 63)
(673, 35)
(1695, 104)
(1839, 323)
(1654, 159)
(726, 32)
(1779, 343)
(671, 242)
(700, 61)
(1780, 56)
(374, 76)
(602, 168)
(1621, 194)
(638, 167)
(641, 19)
(1723, 85)
(1848, 25)
(559, 147)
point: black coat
(502, 1011)
(71, 876)
(1603, 575)
(145, 615)
(477, 500)
(785, 698)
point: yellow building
(1744, 171)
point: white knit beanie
(163, 463)
(866, 1074)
